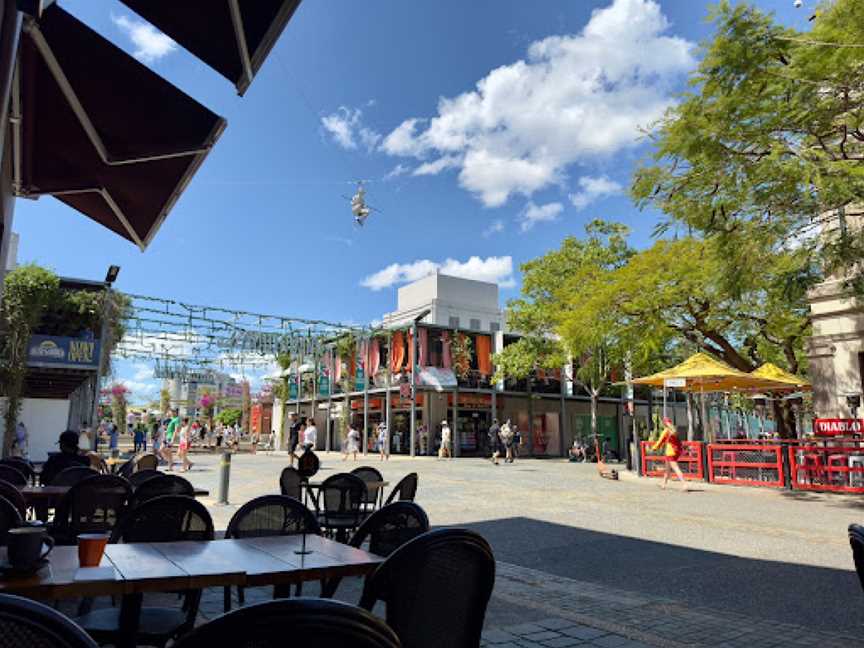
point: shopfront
(400, 420)
(471, 425)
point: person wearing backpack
(672, 451)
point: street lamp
(111, 275)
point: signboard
(62, 352)
(436, 378)
(675, 382)
(828, 427)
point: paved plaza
(588, 561)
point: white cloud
(572, 99)
(142, 372)
(150, 44)
(592, 189)
(346, 128)
(493, 269)
(398, 170)
(141, 391)
(495, 227)
(533, 214)
(437, 166)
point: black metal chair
(170, 518)
(72, 475)
(93, 505)
(13, 475)
(370, 476)
(856, 541)
(291, 483)
(20, 463)
(14, 495)
(296, 622)
(339, 504)
(451, 571)
(146, 462)
(27, 623)
(10, 518)
(162, 485)
(138, 478)
(126, 468)
(270, 515)
(405, 490)
(384, 531)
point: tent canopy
(703, 373)
(771, 371)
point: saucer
(8, 569)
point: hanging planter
(461, 348)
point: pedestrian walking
(310, 435)
(672, 446)
(444, 450)
(517, 442)
(186, 433)
(423, 439)
(506, 435)
(495, 440)
(171, 430)
(383, 441)
(293, 437)
(113, 437)
(352, 443)
(138, 439)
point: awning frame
(31, 28)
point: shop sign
(837, 426)
(471, 401)
(65, 352)
(674, 382)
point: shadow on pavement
(818, 597)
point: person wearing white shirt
(310, 435)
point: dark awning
(231, 36)
(100, 131)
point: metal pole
(103, 334)
(387, 407)
(224, 476)
(330, 405)
(365, 413)
(299, 387)
(455, 450)
(413, 356)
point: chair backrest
(162, 485)
(72, 475)
(291, 483)
(315, 622)
(146, 462)
(272, 515)
(308, 464)
(457, 571)
(341, 495)
(390, 527)
(20, 463)
(169, 518)
(138, 478)
(11, 493)
(93, 505)
(856, 541)
(10, 518)
(369, 475)
(13, 475)
(127, 468)
(405, 490)
(27, 623)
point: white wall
(45, 419)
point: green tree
(229, 416)
(768, 147)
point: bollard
(224, 476)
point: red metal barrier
(746, 464)
(690, 461)
(824, 466)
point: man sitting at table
(67, 457)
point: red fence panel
(828, 466)
(746, 464)
(690, 461)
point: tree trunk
(689, 400)
(784, 417)
(594, 396)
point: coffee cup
(25, 546)
(91, 546)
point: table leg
(130, 614)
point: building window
(454, 322)
(494, 327)
(475, 324)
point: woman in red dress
(671, 452)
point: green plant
(461, 349)
(229, 416)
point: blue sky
(489, 130)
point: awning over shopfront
(100, 131)
(233, 37)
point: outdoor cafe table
(136, 568)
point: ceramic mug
(25, 546)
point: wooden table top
(34, 494)
(169, 566)
(369, 484)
